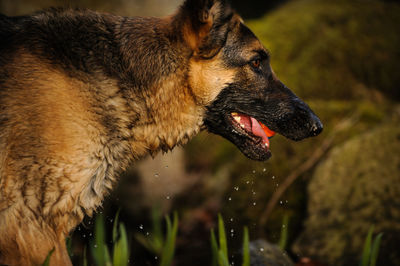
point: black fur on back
(84, 41)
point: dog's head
(230, 74)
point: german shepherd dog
(82, 94)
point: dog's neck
(170, 118)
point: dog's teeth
(237, 118)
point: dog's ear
(205, 24)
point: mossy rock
(334, 49)
(357, 186)
(263, 253)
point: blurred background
(343, 59)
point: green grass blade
(154, 242)
(115, 225)
(223, 259)
(121, 250)
(214, 249)
(107, 257)
(246, 250)
(84, 257)
(47, 260)
(174, 233)
(169, 247)
(100, 251)
(157, 235)
(284, 233)
(148, 243)
(164, 253)
(223, 245)
(366, 255)
(375, 249)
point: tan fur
(208, 77)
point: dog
(83, 94)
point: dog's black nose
(316, 127)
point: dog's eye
(255, 63)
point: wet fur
(82, 94)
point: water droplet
(95, 246)
(156, 257)
(264, 170)
(273, 177)
(141, 227)
(236, 188)
(156, 175)
(147, 233)
(254, 203)
(229, 198)
(281, 202)
(231, 219)
(254, 171)
(84, 236)
(168, 197)
(286, 201)
(283, 226)
(277, 185)
(232, 231)
(254, 192)
(262, 249)
(247, 182)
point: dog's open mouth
(253, 129)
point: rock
(357, 186)
(263, 253)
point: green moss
(354, 188)
(334, 49)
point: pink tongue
(258, 131)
